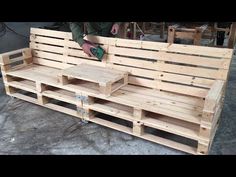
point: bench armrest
(214, 95)
(17, 58)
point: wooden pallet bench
(174, 96)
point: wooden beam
(232, 36)
(213, 96)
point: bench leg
(138, 128)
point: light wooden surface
(94, 73)
(170, 85)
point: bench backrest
(185, 69)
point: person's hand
(115, 29)
(86, 48)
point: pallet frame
(106, 87)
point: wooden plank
(171, 34)
(68, 59)
(47, 55)
(51, 33)
(54, 41)
(201, 50)
(176, 104)
(124, 98)
(147, 121)
(142, 82)
(149, 137)
(112, 125)
(23, 86)
(153, 101)
(38, 73)
(44, 47)
(106, 109)
(24, 97)
(157, 103)
(61, 109)
(67, 35)
(61, 95)
(213, 95)
(49, 63)
(184, 35)
(61, 50)
(193, 71)
(170, 143)
(180, 48)
(174, 98)
(232, 36)
(171, 128)
(198, 35)
(187, 90)
(192, 60)
(173, 68)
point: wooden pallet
(108, 80)
(195, 34)
(175, 89)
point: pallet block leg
(63, 80)
(105, 88)
(203, 148)
(138, 113)
(9, 90)
(7, 78)
(87, 100)
(138, 128)
(85, 113)
(40, 87)
(126, 79)
(205, 132)
(42, 99)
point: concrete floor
(26, 128)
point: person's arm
(115, 28)
(77, 30)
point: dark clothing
(93, 28)
(221, 34)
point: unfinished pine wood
(138, 128)
(188, 49)
(103, 76)
(146, 136)
(232, 36)
(213, 96)
(189, 80)
(171, 34)
(42, 99)
(23, 85)
(49, 75)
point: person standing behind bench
(106, 29)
